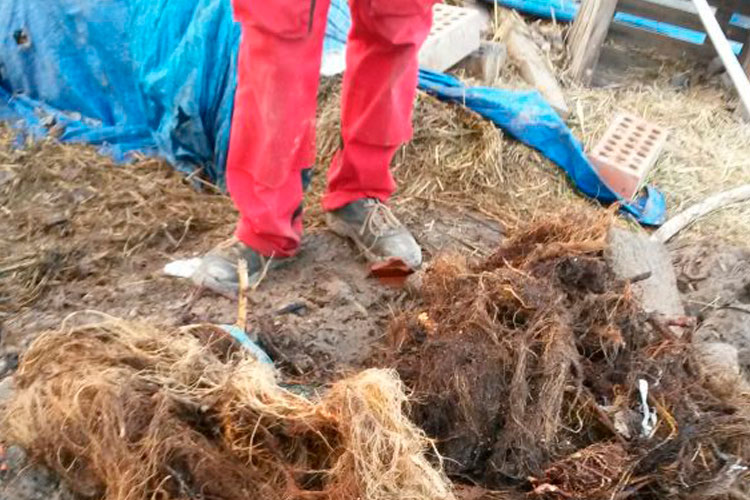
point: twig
(721, 306)
(242, 296)
(640, 277)
(695, 212)
(263, 274)
(604, 418)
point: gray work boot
(376, 231)
(218, 268)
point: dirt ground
(339, 314)
(79, 233)
(72, 262)
(77, 236)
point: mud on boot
(376, 231)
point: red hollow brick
(627, 152)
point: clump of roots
(127, 411)
(527, 365)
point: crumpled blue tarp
(526, 116)
(158, 76)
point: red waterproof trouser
(273, 126)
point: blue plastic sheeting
(526, 116)
(244, 339)
(158, 76)
(151, 76)
(147, 76)
(566, 11)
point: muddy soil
(319, 316)
(714, 280)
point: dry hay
(69, 213)
(128, 411)
(456, 158)
(526, 365)
(707, 150)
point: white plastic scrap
(182, 268)
(648, 424)
(334, 62)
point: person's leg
(273, 126)
(272, 141)
(380, 84)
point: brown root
(528, 365)
(126, 411)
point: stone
(722, 367)
(7, 389)
(632, 254)
(486, 63)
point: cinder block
(455, 34)
(627, 152)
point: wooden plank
(736, 33)
(533, 65)
(736, 73)
(741, 6)
(745, 56)
(587, 36)
(631, 36)
(677, 12)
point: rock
(731, 327)
(722, 367)
(28, 481)
(486, 63)
(681, 80)
(726, 81)
(631, 254)
(715, 67)
(414, 283)
(15, 457)
(7, 389)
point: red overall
(273, 126)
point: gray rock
(27, 481)
(731, 327)
(486, 63)
(7, 389)
(632, 254)
(722, 367)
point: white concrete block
(455, 34)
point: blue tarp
(526, 116)
(158, 76)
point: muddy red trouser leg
(380, 84)
(273, 125)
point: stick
(242, 296)
(695, 212)
(731, 63)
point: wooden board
(587, 35)
(647, 40)
(676, 12)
